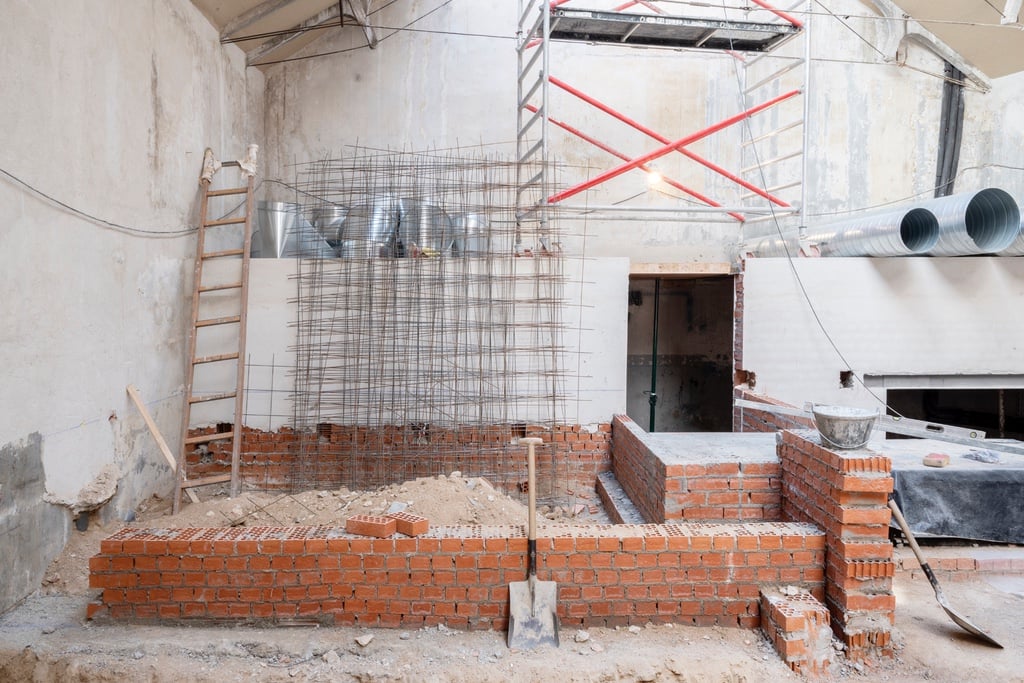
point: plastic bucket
(844, 427)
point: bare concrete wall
(107, 106)
(23, 514)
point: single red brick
(410, 524)
(370, 525)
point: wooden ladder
(200, 291)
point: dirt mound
(444, 500)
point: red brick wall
(752, 420)
(845, 493)
(694, 491)
(700, 574)
(362, 457)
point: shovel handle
(921, 560)
(531, 483)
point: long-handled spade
(960, 620)
(533, 604)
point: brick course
(352, 456)
(753, 420)
(698, 574)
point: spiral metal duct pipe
(901, 232)
(1016, 247)
(983, 222)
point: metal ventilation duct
(983, 222)
(901, 232)
(1016, 248)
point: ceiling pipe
(1016, 248)
(900, 232)
(972, 223)
(968, 224)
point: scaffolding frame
(543, 21)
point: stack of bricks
(352, 456)
(696, 574)
(845, 492)
(798, 626)
(740, 491)
(753, 420)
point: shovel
(960, 621)
(533, 610)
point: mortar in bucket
(844, 427)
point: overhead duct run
(901, 232)
(984, 222)
(971, 223)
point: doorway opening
(679, 354)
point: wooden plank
(206, 481)
(695, 269)
(157, 436)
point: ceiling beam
(360, 10)
(914, 30)
(1011, 13)
(359, 15)
(263, 49)
(247, 19)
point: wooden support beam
(157, 436)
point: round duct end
(919, 230)
(992, 220)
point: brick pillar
(845, 493)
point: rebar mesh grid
(437, 337)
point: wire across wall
(437, 336)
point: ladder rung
(219, 321)
(226, 252)
(205, 481)
(214, 359)
(226, 192)
(206, 438)
(211, 397)
(227, 221)
(222, 286)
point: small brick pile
(384, 526)
(845, 493)
(798, 626)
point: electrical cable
(110, 225)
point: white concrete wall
(107, 106)
(594, 345)
(917, 316)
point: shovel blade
(963, 623)
(532, 615)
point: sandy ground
(46, 638)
